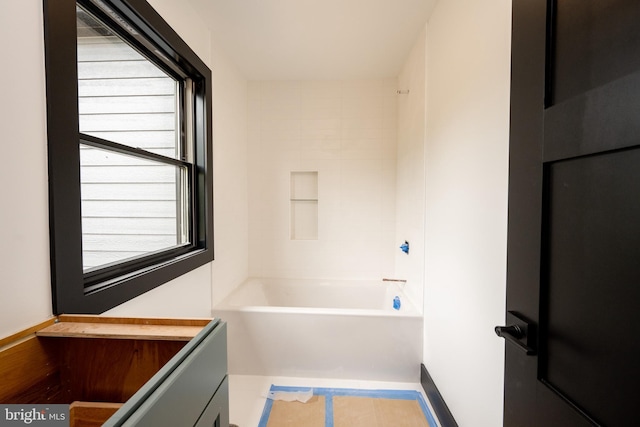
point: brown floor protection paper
(297, 414)
(352, 411)
(348, 411)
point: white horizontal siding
(134, 175)
(98, 157)
(123, 242)
(128, 209)
(113, 225)
(109, 248)
(119, 70)
(100, 49)
(129, 204)
(128, 87)
(103, 191)
(168, 152)
(148, 140)
(127, 104)
(97, 258)
(118, 122)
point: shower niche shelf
(304, 205)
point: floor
(248, 394)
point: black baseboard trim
(435, 398)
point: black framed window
(129, 146)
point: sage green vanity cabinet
(116, 371)
(190, 390)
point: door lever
(518, 332)
(513, 330)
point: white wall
(187, 296)
(25, 295)
(346, 131)
(410, 185)
(231, 216)
(468, 72)
(187, 22)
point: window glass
(131, 207)
(122, 96)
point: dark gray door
(573, 275)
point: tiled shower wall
(346, 132)
(410, 193)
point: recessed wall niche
(304, 205)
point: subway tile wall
(346, 131)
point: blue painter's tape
(330, 392)
(264, 418)
(328, 411)
(425, 410)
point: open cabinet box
(121, 371)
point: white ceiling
(315, 39)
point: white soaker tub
(323, 329)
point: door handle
(519, 332)
(512, 330)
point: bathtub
(322, 329)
